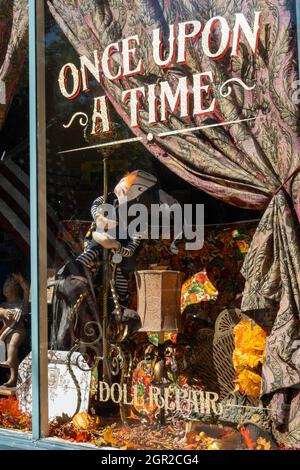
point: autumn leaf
(131, 446)
(11, 415)
(82, 436)
(249, 382)
(190, 437)
(247, 438)
(190, 447)
(108, 436)
(263, 444)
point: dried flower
(263, 444)
(250, 344)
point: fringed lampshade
(159, 293)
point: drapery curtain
(13, 49)
(242, 164)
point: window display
(15, 306)
(161, 325)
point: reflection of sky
(72, 183)
(68, 54)
(50, 37)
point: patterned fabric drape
(241, 164)
(13, 48)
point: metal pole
(38, 223)
(105, 283)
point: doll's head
(11, 288)
(123, 186)
(132, 187)
(133, 184)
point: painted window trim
(38, 221)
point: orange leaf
(247, 438)
(190, 447)
(108, 437)
(190, 437)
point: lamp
(159, 293)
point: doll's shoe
(129, 318)
(132, 319)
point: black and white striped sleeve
(90, 257)
(130, 248)
(97, 202)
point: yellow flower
(215, 445)
(246, 360)
(255, 418)
(249, 335)
(108, 436)
(250, 344)
(263, 444)
(249, 382)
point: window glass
(15, 301)
(147, 345)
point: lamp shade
(159, 293)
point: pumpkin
(84, 421)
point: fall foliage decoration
(249, 443)
(259, 444)
(85, 422)
(262, 444)
(200, 441)
(248, 356)
(85, 428)
(11, 415)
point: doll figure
(137, 186)
(12, 333)
(77, 276)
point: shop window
(123, 390)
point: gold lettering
(211, 399)
(193, 398)
(202, 402)
(116, 387)
(156, 398)
(104, 387)
(167, 396)
(135, 395)
(125, 395)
